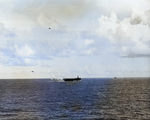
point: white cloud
(108, 26)
(90, 51)
(130, 34)
(122, 8)
(24, 51)
(89, 41)
(28, 61)
(139, 17)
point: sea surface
(89, 99)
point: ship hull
(71, 79)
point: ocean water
(89, 99)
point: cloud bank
(130, 34)
(87, 36)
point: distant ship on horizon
(72, 79)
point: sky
(88, 38)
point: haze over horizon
(89, 38)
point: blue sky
(89, 38)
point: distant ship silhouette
(72, 79)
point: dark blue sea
(88, 99)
